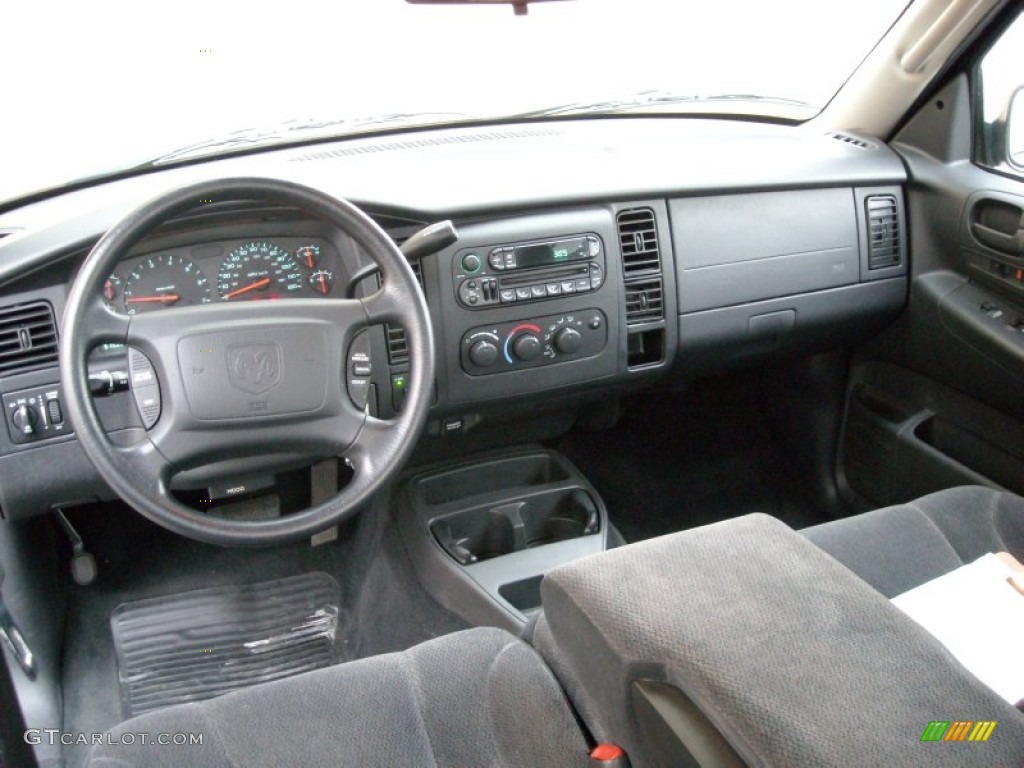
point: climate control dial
(526, 347)
(483, 353)
(534, 343)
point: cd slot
(543, 275)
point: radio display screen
(557, 252)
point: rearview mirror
(519, 6)
(1015, 129)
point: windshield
(93, 88)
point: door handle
(999, 225)
(1010, 244)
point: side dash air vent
(883, 231)
(28, 338)
(398, 345)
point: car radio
(526, 272)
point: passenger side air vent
(28, 338)
(883, 231)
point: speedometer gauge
(165, 281)
(259, 270)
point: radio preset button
(508, 295)
(568, 286)
(554, 289)
(538, 291)
(522, 294)
(583, 284)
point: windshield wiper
(298, 130)
(645, 99)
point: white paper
(979, 617)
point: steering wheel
(234, 380)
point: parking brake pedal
(11, 637)
(83, 564)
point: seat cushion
(474, 698)
(901, 547)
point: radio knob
(471, 262)
(568, 340)
(483, 354)
(526, 347)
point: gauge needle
(263, 282)
(166, 298)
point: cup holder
(545, 518)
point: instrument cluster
(261, 269)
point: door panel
(937, 400)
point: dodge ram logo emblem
(255, 368)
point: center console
(482, 533)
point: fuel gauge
(308, 255)
(322, 281)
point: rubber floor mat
(197, 645)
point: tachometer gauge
(259, 270)
(165, 281)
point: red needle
(167, 298)
(263, 282)
(323, 283)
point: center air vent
(28, 338)
(641, 265)
(643, 287)
(398, 344)
(638, 240)
(883, 231)
(644, 301)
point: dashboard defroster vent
(28, 338)
(638, 241)
(883, 231)
(854, 141)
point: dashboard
(608, 255)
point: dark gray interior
(592, 389)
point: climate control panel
(533, 342)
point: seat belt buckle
(608, 756)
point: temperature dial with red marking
(523, 343)
(322, 281)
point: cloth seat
(475, 698)
(897, 548)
